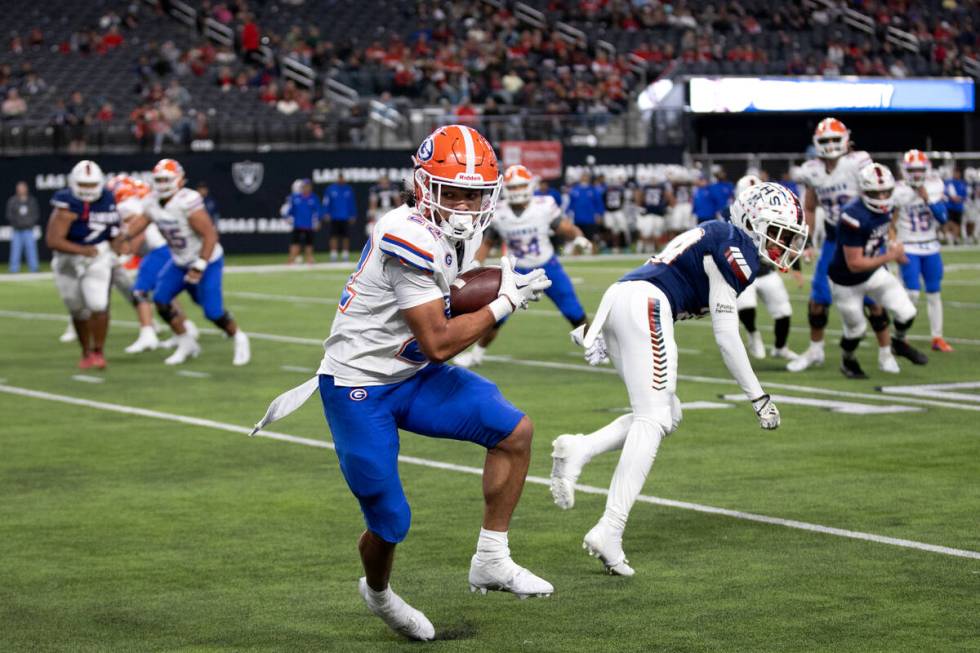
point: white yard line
(85, 378)
(294, 340)
(192, 374)
(538, 480)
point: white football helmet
(86, 181)
(773, 217)
(877, 186)
(745, 182)
(970, 175)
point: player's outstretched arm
(724, 323)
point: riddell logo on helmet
(462, 176)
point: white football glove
(519, 289)
(596, 354)
(767, 412)
(583, 243)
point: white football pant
(681, 217)
(774, 296)
(885, 289)
(83, 281)
(639, 335)
(617, 222)
(650, 225)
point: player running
(196, 264)
(700, 271)
(83, 223)
(525, 223)
(919, 209)
(831, 182)
(382, 370)
(858, 269)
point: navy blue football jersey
(679, 269)
(861, 227)
(94, 221)
(655, 198)
(614, 198)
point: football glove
(767, 412)
(583, 243)
(519, 289)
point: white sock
(345, 255)
(147, 331)
(239, 335)
(934, 305)
(379, 598)
(884, 352)
(914, 296)
(635, 462)
(816, 346)
(492, 545)
(610, 437)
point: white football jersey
(406, 262)
(917, 228)
(837, 188)
(133, 206)
(528, 235)
(172, 219)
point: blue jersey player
(382, 370)
(858, 269)
(700, 272)
(83, 223)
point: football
(473, 290)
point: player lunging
(196, 264)
(700, 271)
(382, 370)
(858, 269)
(525, 222)
(919, 210)
(82, 224)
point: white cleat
(783, 352)
(398, 615)
(756, 348)
(69, 334)
(187, 347)
(146, 341)
(506, 576)
(810, 358)
(192, 329)
(468, 359)
(243, 352)
(887, 363)
(169, 343)
(608, 549)
(567, 461)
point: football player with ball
(398, 322)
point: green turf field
(127, 531)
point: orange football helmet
(831, 139)
(456, 156)
(168, 177)
(123, 187)
(915, 167)
(518, 185)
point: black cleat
(850, 368)
(904, 349)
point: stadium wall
(249, 188)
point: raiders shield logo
(247, 175)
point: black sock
(747, 317)
(781, 330)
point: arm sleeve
(724, 323)
(939, 212)
(412, 287)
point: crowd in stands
(474, 60)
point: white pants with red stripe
(639, 335)
(773, 292)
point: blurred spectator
(13, 105)
(36, 38)
(304, 212)
(33, 84)
(23, 215)
(251, 39)
(106, 113)
(209, 204)
(583, 205)
(177, 93)
(340, 207)
(112, 38)
(545, 189)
